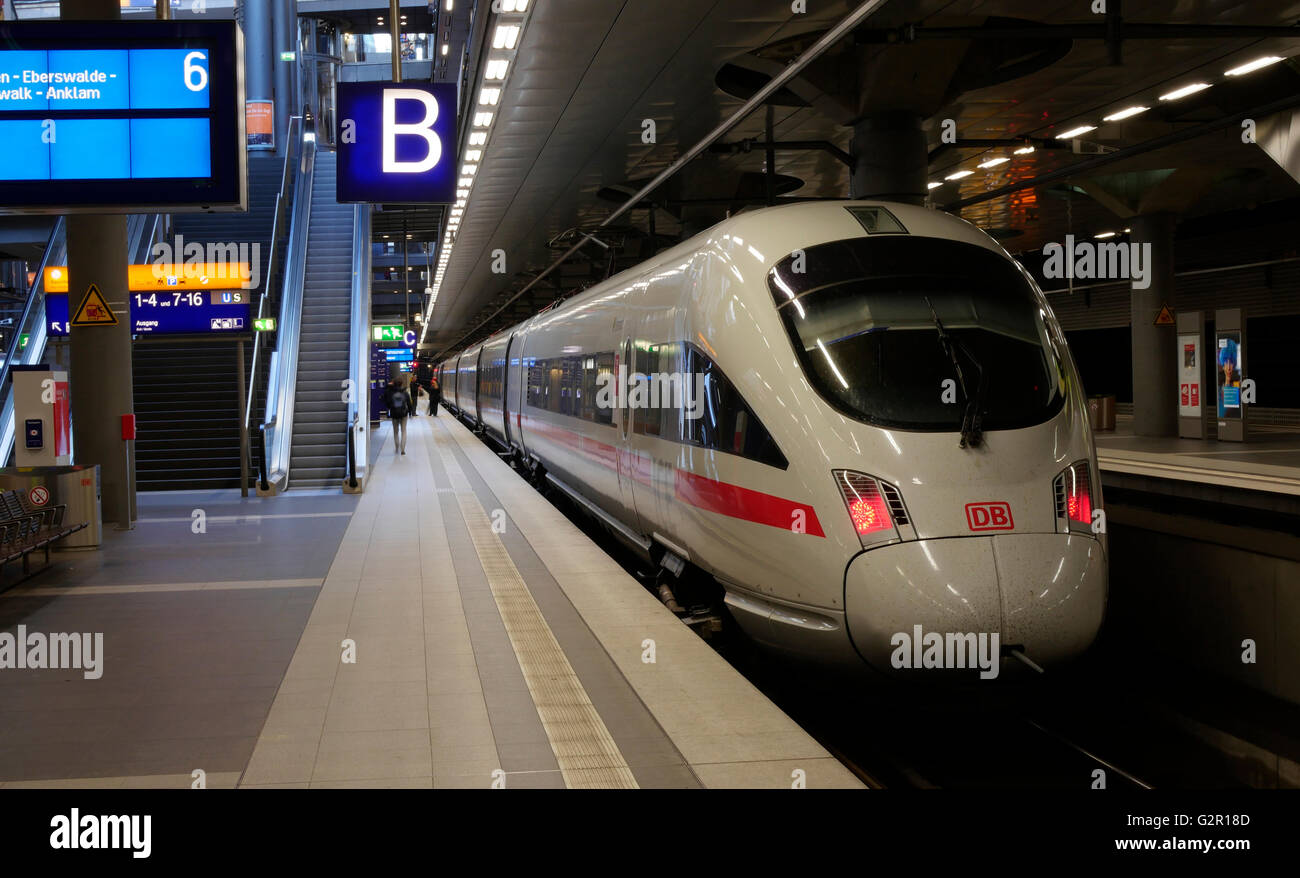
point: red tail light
(867, 506)
(1074, 497)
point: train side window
(727, 423)
(537, 385)
(593, 367)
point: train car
(878, 433)
(467, 385)
(447, 382)
(491, 387)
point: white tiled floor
(412, 709)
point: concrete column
(100, 374)
(286, 40)
(1155, 374)
(890, 158)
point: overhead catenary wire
(827, 40)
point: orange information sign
(1165, 317)
(165, 276)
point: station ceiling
(568, 136)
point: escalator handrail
(283, 379)
(359, 346)
(293, 143)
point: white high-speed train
(892, 433)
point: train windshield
(913, 333)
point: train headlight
(1074, 498)
(869, 506)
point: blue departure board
(121, 116)
(189, 312)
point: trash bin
(1101, 412)
(76, 487)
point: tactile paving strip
(586, 753)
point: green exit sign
(388, 333)
(264, 324)
(22, 340)
(287, 56)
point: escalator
(318, 452)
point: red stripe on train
(699, 491)
(737, 502)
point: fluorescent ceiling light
(445, 48)
(933, 185)
(462, 194)
(514, 5)
(958, 175)
(449, 5)
(468, 169)
(1106, 235)
(473, 155)
(1075, 132)
(993, 163)
(466, 181)
(506, 36)
(1024, 150)
(496, 68)
(1252, 66)
(477, 138)
(482, 120)
(489, 96)
(1127, 113)
(1185, 91)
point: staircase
(186, 395)
(318, 454)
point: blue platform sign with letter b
(396, 142)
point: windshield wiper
(972, 433)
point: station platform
(447, 628)
(1268, 461)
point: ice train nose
(1045, 593)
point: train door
(624, 368)
(505, 390)
(478, 383)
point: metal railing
(293, 143)
(358, 418)
(282, 375)
(263, 475)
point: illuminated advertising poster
(1228, 374)
(1189, 376)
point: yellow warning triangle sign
(1165, 317)
(94, 311)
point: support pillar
(1155, 373)
(890, 158)
(100, 367)
(257, 55)
(286, 40)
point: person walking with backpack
(398, 402)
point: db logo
(989, 516)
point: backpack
(397, 407)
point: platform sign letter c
(423, 128)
